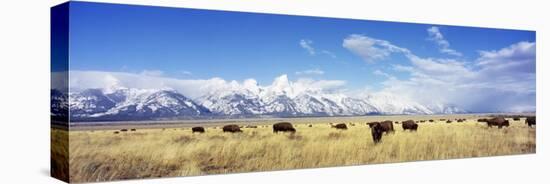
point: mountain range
(280, 99)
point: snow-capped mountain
(132, 104)
(280, 99)
(59, 102)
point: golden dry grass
(102, 155)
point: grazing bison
(449, 121)
(482, 120)
(251, 126)
(498, 121)
(197, 129)
(310, 125)
(431, 120)
(531, 121)
(231, 128)
(133, 129)
(459, 120)
(116, 132)
(387, 126)
(341, 126)
(283, 127)
(442, 120)
(409, 125)
(376, 131)
(516, 118)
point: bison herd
(377, 128)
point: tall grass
(103, 155)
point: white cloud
(371, 49)
(152, 72)
(444, 46)
(381, 73)
(502, 80)
(186, 72)
(311, 72)
(328, 53)
(306, 44)
(192, 88)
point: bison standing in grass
(341, 126)
(498, 121)
(283, 127)
(376, 131)
(385, 126)
(531, 121)
(231, 128)
(198, 129)
(409, 125)
(482, 120)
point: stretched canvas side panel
(59, 109)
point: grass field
(101, 155)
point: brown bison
(482, 120)
(449, 121)
(197, 129)
(123, 130)
(459, 120)
(516, 118)
(283, 127)
(387, 126)
(376, 131)
(310, 125)
(431, 120)
(531, 121)
(409, 125)
(251, 126)
(341, 126)
(498, 121)
(133, 129)
(231, 128)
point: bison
(459, 120)
(482, 120)
(341, 126)
(387, 126)
(310, 125)
(498, 121)
(197, 129)
(231, 128)
(133, 129)
(251, 126)
(531, 121)
(123, 130)
(376, 131)
(449, 121)
(431, 120)
(409, 125)
(283, 127)
(516, 118)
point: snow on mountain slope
(281, 98)
(132, 104)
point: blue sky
(200, 44)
